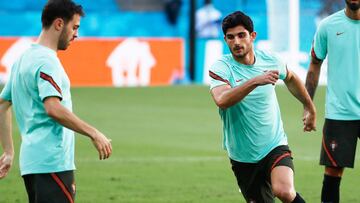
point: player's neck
(248, 59)
(48, 40)
(355, 15)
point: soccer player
(39, 92)
(338, 38)
(243, 87)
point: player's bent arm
(312, 77)
(68, 119)
(297, 89)
(6, 141)
(225, 96)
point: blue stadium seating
(104, 18)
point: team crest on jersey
(333, 145)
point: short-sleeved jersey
(253, 126)
(46, 145)
(338, 37)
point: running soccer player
(243, 87)
(338, 38)
(39, 92)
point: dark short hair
(235, 19)
(64, 9)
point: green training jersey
(253, 126)
(46, 145)
(338, 38)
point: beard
(239, 55)
(353, 6)
(63, 41)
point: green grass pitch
(167, 148)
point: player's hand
(309, 120)
(5, 164)
(269, 77)
(102, 144)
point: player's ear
(253, 35)
(58, 24)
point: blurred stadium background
(145, 28)
(165, 129)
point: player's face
(353, 4)
(240, 41)
(69, 33)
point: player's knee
(284, 193)
(335, 172)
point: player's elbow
(50, 112)
(222, 106)
(221, 97)
(222, 103)
(58, 114)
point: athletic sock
(298, 199)
(330, 190)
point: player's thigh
(282, 179)
(280, 168)
(55, 187)
(280, 156)
(339, 143)
(252, 182)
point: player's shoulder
(333, 19)
(266, 55)
(42, 58)
(265, 58)
(225, 59)
(222, 64)
(42, 51)
(44, 55)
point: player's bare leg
(282, 182)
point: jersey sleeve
(49, 80)
(281, 67)
(220, 74)
(319, 47)
(6, 91)
(282, 70)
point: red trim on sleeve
(216, 77)
(333, 162)
(50, 80)
(313, 54)
(279, 159)
(62, 186)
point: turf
(167, 148)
